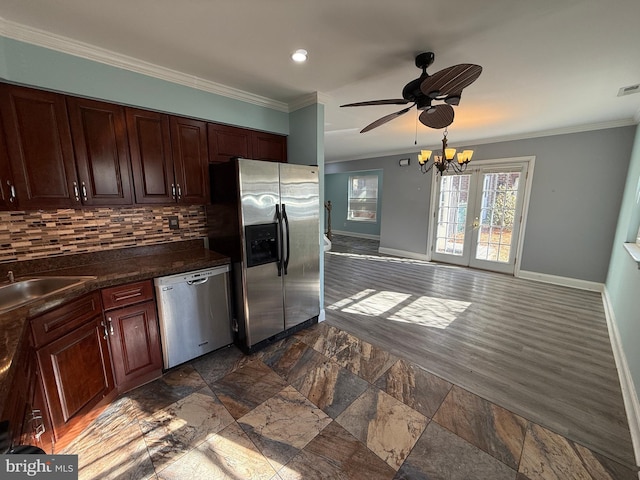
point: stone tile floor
(321, 404)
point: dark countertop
(110, 268)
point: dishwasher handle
(200, 281)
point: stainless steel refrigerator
(265, 216)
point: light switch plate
(174, 224)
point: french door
(478, 216)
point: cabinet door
(8, 199)
(190, 160)
(135, 344)
(40, 149)
(40, 431)
(77, 375)
(102, 151)
(269, 146)
(226, 142)
(150, 147)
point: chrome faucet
(11, 277)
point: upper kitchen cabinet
(269, 146)
(190, 160)
(150, 147)
(226, 142)
(7, 188)
(168, 156)
(38, 141)
(102, 151)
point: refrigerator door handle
(280, 240)
(286, 222)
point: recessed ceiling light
(299, 56)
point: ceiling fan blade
(450, 81)
(391, 101)
(385, 119)
(438, 116)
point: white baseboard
(565, 281)
(357, 235)
(629, 393)
(403, 253)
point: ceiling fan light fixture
(299, 55)
(444, 85)
(453, 100)
(424, 156)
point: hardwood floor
(539, 350)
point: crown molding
(507, 138)
(41, 38)
(307, 100)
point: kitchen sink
(21, 292)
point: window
(363, 198)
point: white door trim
(529, 160)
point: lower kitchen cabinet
(26, 412)
(76, 366)
(135, 345)
(134, 338)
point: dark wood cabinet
(101, 148)
(26, 411)
(169, 157)
(61, 151)
(39, 145)
(150, 146)
(8, 198)
(76, 366)
(226, 142)
(190, 160)
(131, 316)
(269, 146)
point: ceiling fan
(445, 85)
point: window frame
(366, 200)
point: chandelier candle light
(443, 161)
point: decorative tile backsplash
(40, 234)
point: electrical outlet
(174, 224)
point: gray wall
(337, 191)
(623, 281)
(405, 200)
(575, 199)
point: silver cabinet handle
(173, 191)
(179, 192)
(106, 333)
(12, 192)
(36, 414)
(76, 192)
(110, 326)
(84, 192)
(39, 429)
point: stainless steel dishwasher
(194, 313)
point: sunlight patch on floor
(403, 307)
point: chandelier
(444, 160)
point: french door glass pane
(497, 216)
(452, 214)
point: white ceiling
(548, 65)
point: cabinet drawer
(129, 294)
(54, 324)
